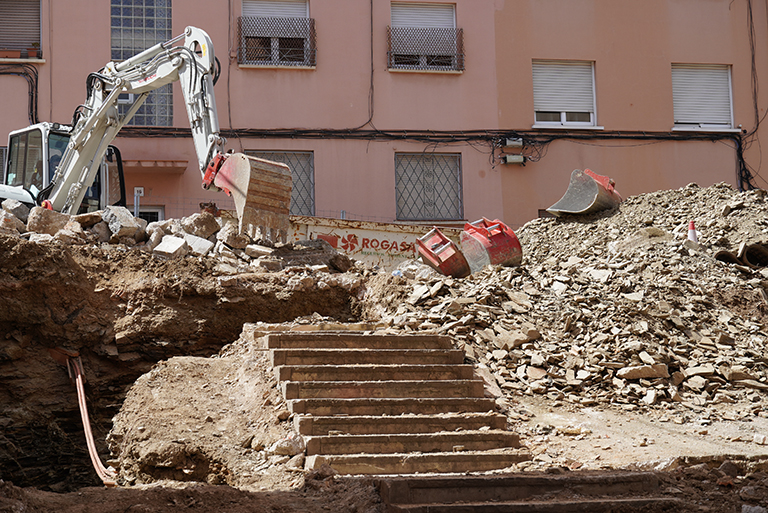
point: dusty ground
(195, 429)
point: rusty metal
(276, 41)
(425, 48)
(487, 242)
(587, 192)
(442, 254)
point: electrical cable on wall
(29, 73)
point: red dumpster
(440, 253)
(490, 242)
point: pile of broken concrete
(619, 308)
(201, 234)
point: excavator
(72, 169)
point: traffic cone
(692, 232)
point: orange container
(487, 242)
(440, 253)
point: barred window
(137, 25)
(428, 186)
(276, 33)
(20, 27)
(302, 164)
(424, 37)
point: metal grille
(137, 25)
(428, 186)
(276, 41)
(425, 48)
(302, 166)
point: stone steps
(518, 493)
(386, 404)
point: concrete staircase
(389, 404)
(578, 492)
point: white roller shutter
(563, 86)
(19, 24)
(276, 8)
(423, 15)
(701, 94)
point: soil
(189, 414)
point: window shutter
(701, 94)
(563, 86)
(423, 15)
(276, 8)
(19, 24)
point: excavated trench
(122, 310)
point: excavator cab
(35, 152)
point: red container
(441, 254)
(487, 242)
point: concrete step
(365, 356)
(367, 406)
(382, 389)
(310, 425)
(411, 463)
(372, 372)
(608, 505)
(420, 442)
(515, 487)
(349, 340)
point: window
(563, 93)
(276, 33)
(428, 186)
(302, 166)
(150, 214)
(701, 96)
(137, 25)
(20, 28)
(424, 37)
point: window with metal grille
(428, 186)
(137, 25)
(276, 33)
(20, 28)
(302, 164)
(424, 37)
(564, 93)
(701, 96)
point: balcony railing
(425, 48)
(276, 41)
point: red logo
(349, 242)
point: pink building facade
(400, 111)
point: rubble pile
(618, 308)
(198, 235)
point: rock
(658, 370)
(255, 250)
(41, 220)
(17, 208)
(198, 245)
(171, 247)
(491, 385)
(229, 235)
(88, 219)
(289, 446)
(760, 439)
(10, 222)
(201, 225)
(121, 221)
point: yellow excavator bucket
(261, 190)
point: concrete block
(88, 219)
(255, 250)
(41, 238)
(198, 245)
(17, 208)
(101, 231)
(201, 225)
(230, 236)
(121, 222)
(42, 220)
(9, 221)
(171, 247)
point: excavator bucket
(261, 190)
(587, 192)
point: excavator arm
(260, 189)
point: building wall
(632, 44)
